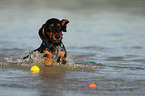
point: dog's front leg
(62, 57)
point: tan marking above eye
(51, 25)
(58, 24)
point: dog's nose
(57, 36)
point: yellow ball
(35, 69)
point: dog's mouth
(56, 41)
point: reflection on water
(105, 39)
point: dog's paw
(48, 61)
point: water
(105, 40)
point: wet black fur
(47, 44)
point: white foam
(36, 58)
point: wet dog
(52, 46)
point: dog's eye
(51, 25)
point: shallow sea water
(105, 43)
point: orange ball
(93, 86)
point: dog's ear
(42, 34)
(64, 23)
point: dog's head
(52, 30)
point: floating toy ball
(35, 69)
(93, 86)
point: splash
(36, 58)
(32, 58)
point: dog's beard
(55, 42)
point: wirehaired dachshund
(52, 46)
